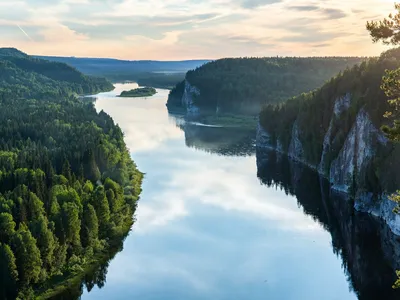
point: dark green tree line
(68, 187)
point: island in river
(139, 92)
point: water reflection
(368, 249)
(207, 229)
(216, 139)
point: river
(209, 228)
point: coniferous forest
(68, 187)
(243, 85)
(314, 111)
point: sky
(191, 29)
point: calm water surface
(208, 228)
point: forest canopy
(243, 85)
(139, 92)
(312, 112)
(68, 187)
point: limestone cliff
(348, 168)
(189, 94)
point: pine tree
(71, 223)
(66, 171)
(7, 227)
(8, 272)
(90, 227)
(27, 255)
(387, 31)
(102, 208)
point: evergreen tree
(71, 223)
(102, 208)
(8, 272)
(27, 255)
(90, 227)
(388, 32)
(7, 227)
(66, 170)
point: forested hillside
(243, 85)
(160, 74)
(68, 188)
(318, 126)
(35, 77)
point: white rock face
(279, 146)
(356, 154)
(342, 104)
(382, 208)
(296, 151)
(188, 98)
(263, 138)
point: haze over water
(207, 228)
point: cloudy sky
(186, 29)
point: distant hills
(27, 76)
(145, 72)
(244, 85)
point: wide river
(209, 228)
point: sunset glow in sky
(189, 29)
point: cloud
(303, 7)
(333, 13)
(251, 4)
(185, 29)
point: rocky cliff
(189, 94)
(347, 159)
(367, 247)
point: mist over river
(209, 228)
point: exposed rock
(279, 146)
(381, 208)
(356, 154)
(263, 138)
(342, 104)
(296, 151)
(189, 94)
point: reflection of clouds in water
(227, 183)
(150, 265)
(206, 228)
(143, 120)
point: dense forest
(33, 75)
(314, 114)
(68, 188)
(243, 85)
(139, 92)
(159, 74)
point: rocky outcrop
(263, 139)
(349, 170)
(342, 104)
(296, 151)
(356, 155)
(382, 208)
(189, 94)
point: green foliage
(396, 285)
(27, 256)
(396, 198)
(314, 114)
(54, 150)
(90, 227)
(139, 92)
(243, 85)
(33, 77)
(8, 272)
(388, 32)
